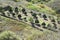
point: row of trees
(37, 1)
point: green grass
(18, 26)
(8, 35)
(41, 8)
(26, 30)
(15, 25)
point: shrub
(16, 0)
(58, 11)
(28, 0)
(44, 16)
(1, 8)
(8, 35)
(34, 14)
(36, 21)
(39, 1)
(31, 19)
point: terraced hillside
(25, 31)
(31, 17)
(29, 21)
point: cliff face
(29, 21)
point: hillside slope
(45, 28)
(55, 5)
(25, 31)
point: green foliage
(30, 6)
(41, 8)
(16, 0)
(8, 35)
(38, 1)
(1, 9)
(31, 19)
(28, 0)
(36, 21)
(58, 11)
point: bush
(8, 35)
(39, 1)
(34, 14)
(28, 0)
(1, 9)
(58, 11)
(31, 19)
(16, 0)
(36, 21)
